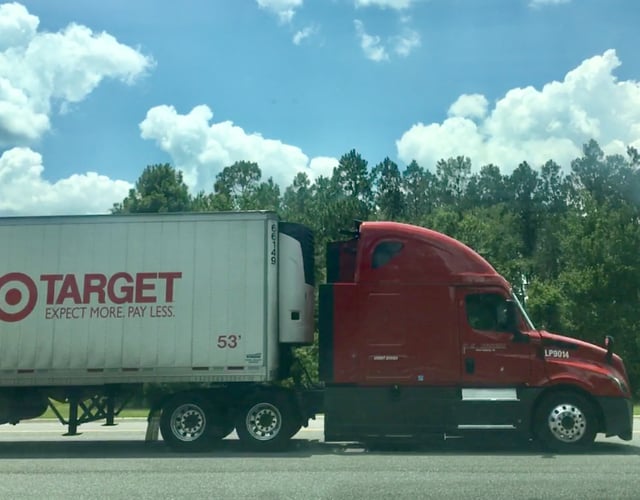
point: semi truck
(418, 335)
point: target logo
(18, 297)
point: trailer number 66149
(273, 258)
(228, 341)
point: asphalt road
(36, 461)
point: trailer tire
(187, 423)
(266, 421)
(565, 421)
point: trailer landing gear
(83, 409)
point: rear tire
(187, 423)
(266, 421)
(565, 421)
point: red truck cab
(419, 335)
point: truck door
(491, 355)
(407, 335)
(495, 364)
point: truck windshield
(523, 312)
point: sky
(93, 92)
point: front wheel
(265, 421)
(565, 421)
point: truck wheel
(186, 424)
(565, 421)
(266, 422)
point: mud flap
(153, 426)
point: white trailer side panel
(106, 299)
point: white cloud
(470, 106)
(372, 46)
(376, 50)
(323, 165)
(304, 33)
(385, 4)
(535, 125)
(23, 191)
(17, 26)
(284, 9)
(201, 150)
(38, 69)
(406, 42)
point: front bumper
(617, 416)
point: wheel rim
(567, 423)
(188, 422)
(263, 421)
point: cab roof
(421, 255)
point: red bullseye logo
(18, 297)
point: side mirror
(511, 321)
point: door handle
(470, 365)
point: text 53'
(228, 341)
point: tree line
(567, 239)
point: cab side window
(384, 252)
(486, 311)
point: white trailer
(93, 305)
